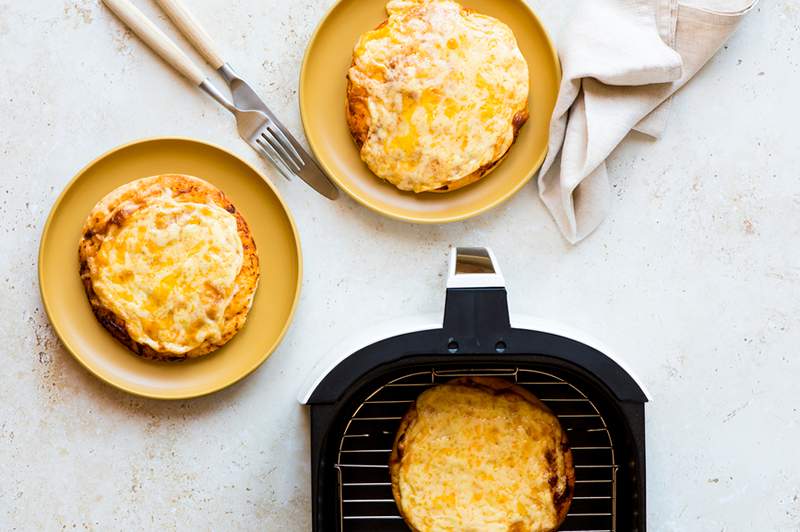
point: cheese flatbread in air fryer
(169, 266)
(436, 95)
(481, 454)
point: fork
(262, 132)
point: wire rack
(365, 493)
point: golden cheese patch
(169, 271)
(443, 85)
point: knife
(244, 97)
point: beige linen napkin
(622, 60)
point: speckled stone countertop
(695, 279)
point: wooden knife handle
(192, 30)
(156, 39)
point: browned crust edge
(357, 111)
(496, 386)
(359, 121)
(121, 203)
(396, 458)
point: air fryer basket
(357, 406)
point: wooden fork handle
(156, 39)
(192, 30)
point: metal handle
(190, 27)
(155, 39)
(474, 267)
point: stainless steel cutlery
(257, 125)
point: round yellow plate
(322, 107)
(276, 240)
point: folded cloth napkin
(622, 60)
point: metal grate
(365, 493)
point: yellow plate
(322, 107)
(276, 240)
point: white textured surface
(695, 278)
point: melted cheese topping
(444, 85)
(478, 461)
(169, 271)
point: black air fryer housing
(357, 402)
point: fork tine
(267, 150)
(286, 143)
(281, 150)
